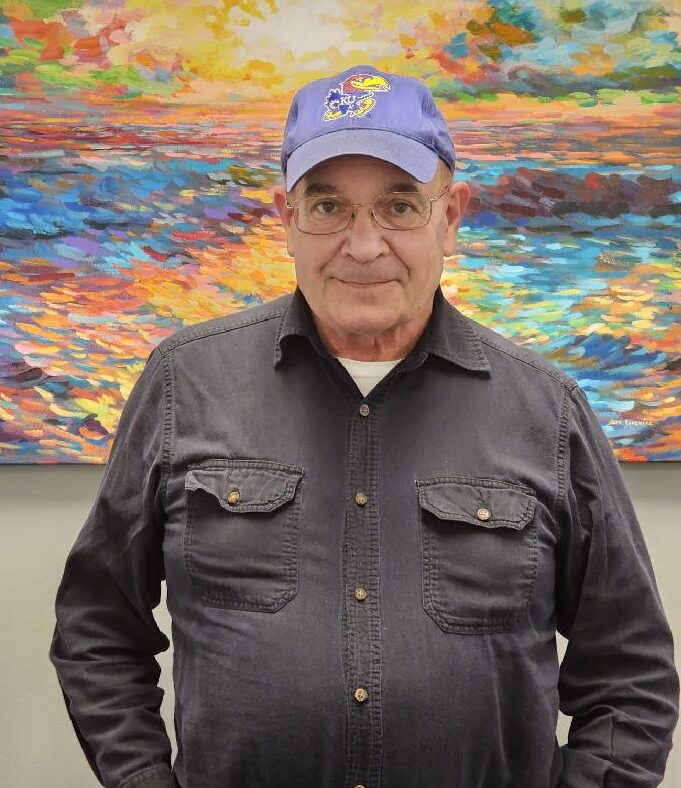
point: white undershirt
(367, 374)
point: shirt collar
(448, 334)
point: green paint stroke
(18, 60)
(572, 16)
(44, 9)
(56, 75)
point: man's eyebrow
(327, 188)
(319, 188)
(403, 186)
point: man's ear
(285, 214)
(459, 195)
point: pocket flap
(245, 485)
(486, 502)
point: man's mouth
(363, 284)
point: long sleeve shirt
(364, 590)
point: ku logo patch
(354, 97)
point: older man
(372, 515)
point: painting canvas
(139, 144)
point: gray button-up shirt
(364, 590)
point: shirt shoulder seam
(561, 453)
(167, 438)
(166, 346)
(568, 383)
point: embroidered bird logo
(354, 97)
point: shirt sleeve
(617, 679)
(106, 638)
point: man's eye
(401, 208)
(326, 207)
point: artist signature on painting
(630, 423)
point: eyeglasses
(324, 214)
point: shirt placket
(361, 627)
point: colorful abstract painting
(139, 144)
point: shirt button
(358, 786)
(361, 694)
(361, 498)
(233, 497)
(483, 514)
(360, 594)
(364, 409)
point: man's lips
(363, 284)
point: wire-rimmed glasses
(324, 214)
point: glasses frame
(374, 218)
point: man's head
(369, 206)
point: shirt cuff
(157, 776)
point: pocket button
(233, 497)
(483, 514)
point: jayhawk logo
(354, 97)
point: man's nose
(364, 239)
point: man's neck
(386, 346)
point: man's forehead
(324, 177)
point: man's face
(366, 280)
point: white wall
(41, 511)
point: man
(371, 513)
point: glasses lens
(402, 210)
(323, 214)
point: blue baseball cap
(365, 111)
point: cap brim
(407, 154)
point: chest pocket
(479, 552)
(242, 538)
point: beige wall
(41, 511)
